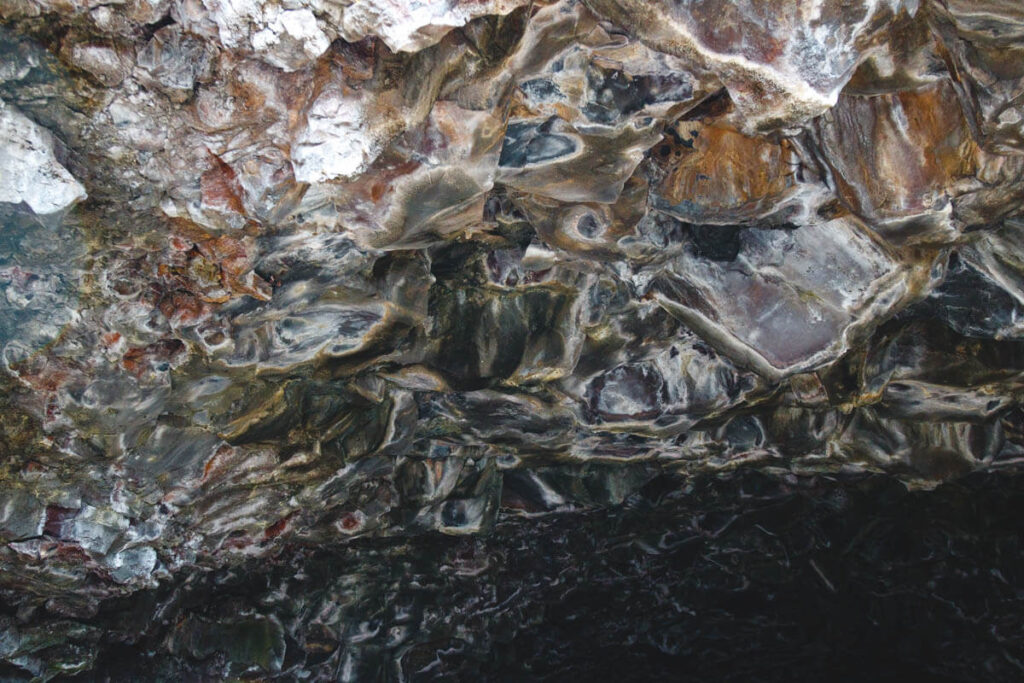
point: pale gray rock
(132, 564)
(411, 25)
(31, 173)
(289, 37)
(96, 529)
(343, 135)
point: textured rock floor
(378, 340)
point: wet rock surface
(455, 340)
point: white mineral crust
(29, 172)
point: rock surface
(32, 175)
(324, 325)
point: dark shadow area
(745, 577)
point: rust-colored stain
(220, 187)
(716, 166)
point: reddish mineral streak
(220, 187)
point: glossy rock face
(412, 288)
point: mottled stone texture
(375, 340)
